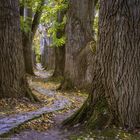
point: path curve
(11, 122)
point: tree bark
(59, 61)
(117, 61)
(12, 71)
(50, 56)
(47, 52)
(27, 41)
(27, 37)
(119, 46)
(60, 51)
(45, 43)
(79, 33)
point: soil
(70, 101)
(57, 132)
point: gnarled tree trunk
(119, 46)
(117, 62)
(79, 32)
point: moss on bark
(94, 114)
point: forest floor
(42, 121)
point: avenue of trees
(93, 44)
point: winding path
(9, 123)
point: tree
(29, 33)
(50, 63)
(56, 20)
(27, 39)
(47, 52)
(60, 50)
(116, 74)
(12, 71)
(79, 33)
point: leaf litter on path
(44, 122)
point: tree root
(81, 115)
(94, 114)
(27, 91)
(31, 96)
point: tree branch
(37, 17)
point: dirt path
(7, 123)
(55, 132)
(13, 121)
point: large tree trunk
(119, 46)
(12, 70)
(60, 51)
(117, 62)
(79, 33)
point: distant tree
(47, 52)
(60, 50)
(29, 30)
(79, 33)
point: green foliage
(33, 5)
(50, 17)
(95, 25)
(30, 3)
(24, 25)
(58, 42)
(96, 21)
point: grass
(106, 134)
